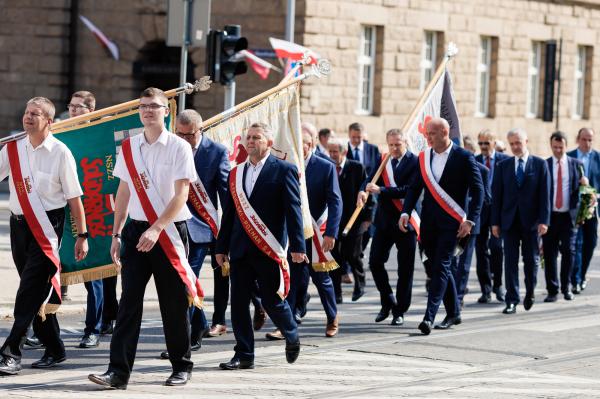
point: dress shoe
(237, 364)
(584, 285)
(275, 335)
(568, 296)
(217, 330)
(347, 279)
(425, 327)
(484, 299)
(448, 322)
(89, 341)
(550, 298)
(332, 328)
(358, 293)
(260, 317)
(196, 340)
(195, 346)
(576, 289)
(339, 300)
(500, 293)
(304, 308)
(178, 378)
(33, 342)
(107, 328)
(109, 380)
(9, 366)
(510, 308)
(383, 314)
(297, 318)
(292, 351)
(48, 361)
(528, 302)
(397, 320)
(164, 355)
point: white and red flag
(109, 45)
(258, 65)
(293, 51)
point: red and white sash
(439, 195)
(257, 230)
(321, 261)
(152, 204)
(34, 212)
(388, 181)
(201, 202)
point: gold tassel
(82, 276)
(325, 266)
(225, 269)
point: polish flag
(112, 48)
(260, 66)
(292, 51)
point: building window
(534, 78)
(582, 83)
(366, 69)
(428, 58)
(484, 69)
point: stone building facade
(382, 53)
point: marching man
(43, 179)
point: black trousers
(111, 304)
(348, 249)
(488, 250)
(172, 298)
(35, 271)
(406, 244)
(560, 237)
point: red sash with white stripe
(321, 261)
(257, 230)
(201, 202)
(437, 192)
(34, 213)
(152, 204)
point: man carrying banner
(449, 174)
(37, 201)
(262, 212)
(392, 186)
(156, 169)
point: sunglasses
(187, 135)
(483, 143)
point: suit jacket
(351, 179)
(322, 155)
(594, 167)
(574, 177)
(460, 178)
(212, 165)
(371, 159)
(387, 215)
(486, 210)
(323, 191)
(531, 201)
(487, 197)
(276, 199)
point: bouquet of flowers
(587, 201)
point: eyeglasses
(77, 106)
(153, 107)
(483, 143)
(187, 135)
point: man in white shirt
(54, 175)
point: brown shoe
(332, 328)
(260, 316)
(275, 335)
(347, 279)
(217, 330)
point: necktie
(559, 189)
(339, 169)
(520, 173)
(487, 162)
(394, 163)
(356, 156)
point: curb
(6, 311)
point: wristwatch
(84, 235)
(116, 235)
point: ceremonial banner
(281, 111)
(95, 147)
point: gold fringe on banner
(82, 276)
(325, 266)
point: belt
(54, 212)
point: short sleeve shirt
(168, 159)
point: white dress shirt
(252, 173)
(54, 173)
(564, 183)
(525, 157)
(168, 159)
(361, 151)
(438, 162)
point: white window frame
(428, 57)
(484, 66)
(366, 62)
(579, 83)
(533, 80)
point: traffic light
(221, 47)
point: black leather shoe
(304, 308)
(33, 342)
(383, 314)
(584, 285)
(237, 364)
(196, 346)
(448, 322)
(528, 302)
(397, 320)
(568, 296)
(510, 308)
(292, 351)
(357, 294)
(500, 293)
(178, 378)
(297, 318)
(107, 328)
(196, 343)
(484, 299)
(48, 361)
(10, 366)
(576, 289)
(339, 300)
(425, 327)
(89, 341)
(109, 380)
(164, 355)
(550, 298)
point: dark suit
(323, 194)
(518, 211)
(460, 179)
(562, 230)
(488, 249)
(276, 199)
(587, 234)
(349, 248)
(212, 165)
(387, 234)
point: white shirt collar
(199, 142)
(260, 163)
(307, 159)
(446, 151)
(562, 159)
(343, 163)
(162, 139)
(361, 146)
(48, 143)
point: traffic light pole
(229, 95)
(187, 5)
